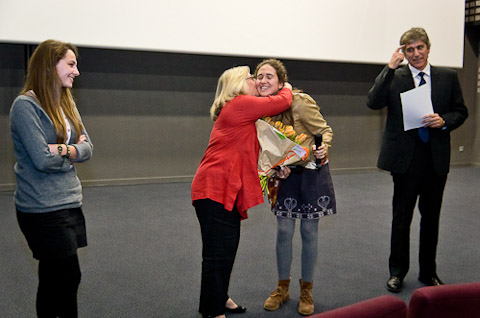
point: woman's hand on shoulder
(288, 85)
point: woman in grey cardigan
(49, 139)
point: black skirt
(55, 234)
(307, 194)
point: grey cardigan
(45, 181)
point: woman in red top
(226, 184)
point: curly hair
(278, 66)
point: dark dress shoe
(395, 284)
(238, 310)
(431, 280)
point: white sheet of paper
(416, 103)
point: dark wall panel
(148, 112)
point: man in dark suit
(418, 159)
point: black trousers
(57, 287)
(220, 237)
(419, 181)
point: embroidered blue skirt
(308, 194)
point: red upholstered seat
(380, 307)
(447, 301)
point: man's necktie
(423, 131)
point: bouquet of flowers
(279, 146)
(286, 130)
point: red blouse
(228, 170)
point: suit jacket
(398, 145)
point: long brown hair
(42, 78)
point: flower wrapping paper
(276, 149)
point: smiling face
(417, 54)
(267, 81)
(67, 69)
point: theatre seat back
(386, 306)
(447, 301)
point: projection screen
(353, 31)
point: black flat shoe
(431, 281)
(395, 284)
(238, 310)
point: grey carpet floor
(144, 253)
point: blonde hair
(42, 78)
(230, 84)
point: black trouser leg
(404, 200)
(429, 205)
(57, 288)
(220, 236)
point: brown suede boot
(305, 306)
(278, 296)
